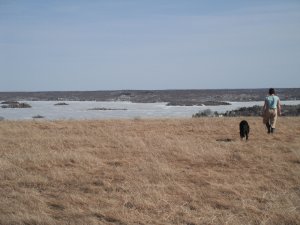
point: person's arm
(279, 107)
(264, 108)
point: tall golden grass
(173, 171)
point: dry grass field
(173, 171)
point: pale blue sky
(148, 44)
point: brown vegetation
(149, 172)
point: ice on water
(81, 110)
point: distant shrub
(206, 113)
(245, 111)
(290, 110)
(137, 118)
(286, 110)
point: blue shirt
(272, 101)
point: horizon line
(168, 89)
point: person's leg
(273, 120)
(266, 120)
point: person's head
(271, 91)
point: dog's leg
(268, 127)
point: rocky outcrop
(13, 104)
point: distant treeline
(173, 97)
(287, 110)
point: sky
(69, 45)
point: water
(81, 110)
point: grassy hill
(185, 171)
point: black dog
(244, 129)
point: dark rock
(9, 102)
(60, 103)
(105, 109)
(38, 117)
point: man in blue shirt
(271, 109)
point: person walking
(271, 110)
